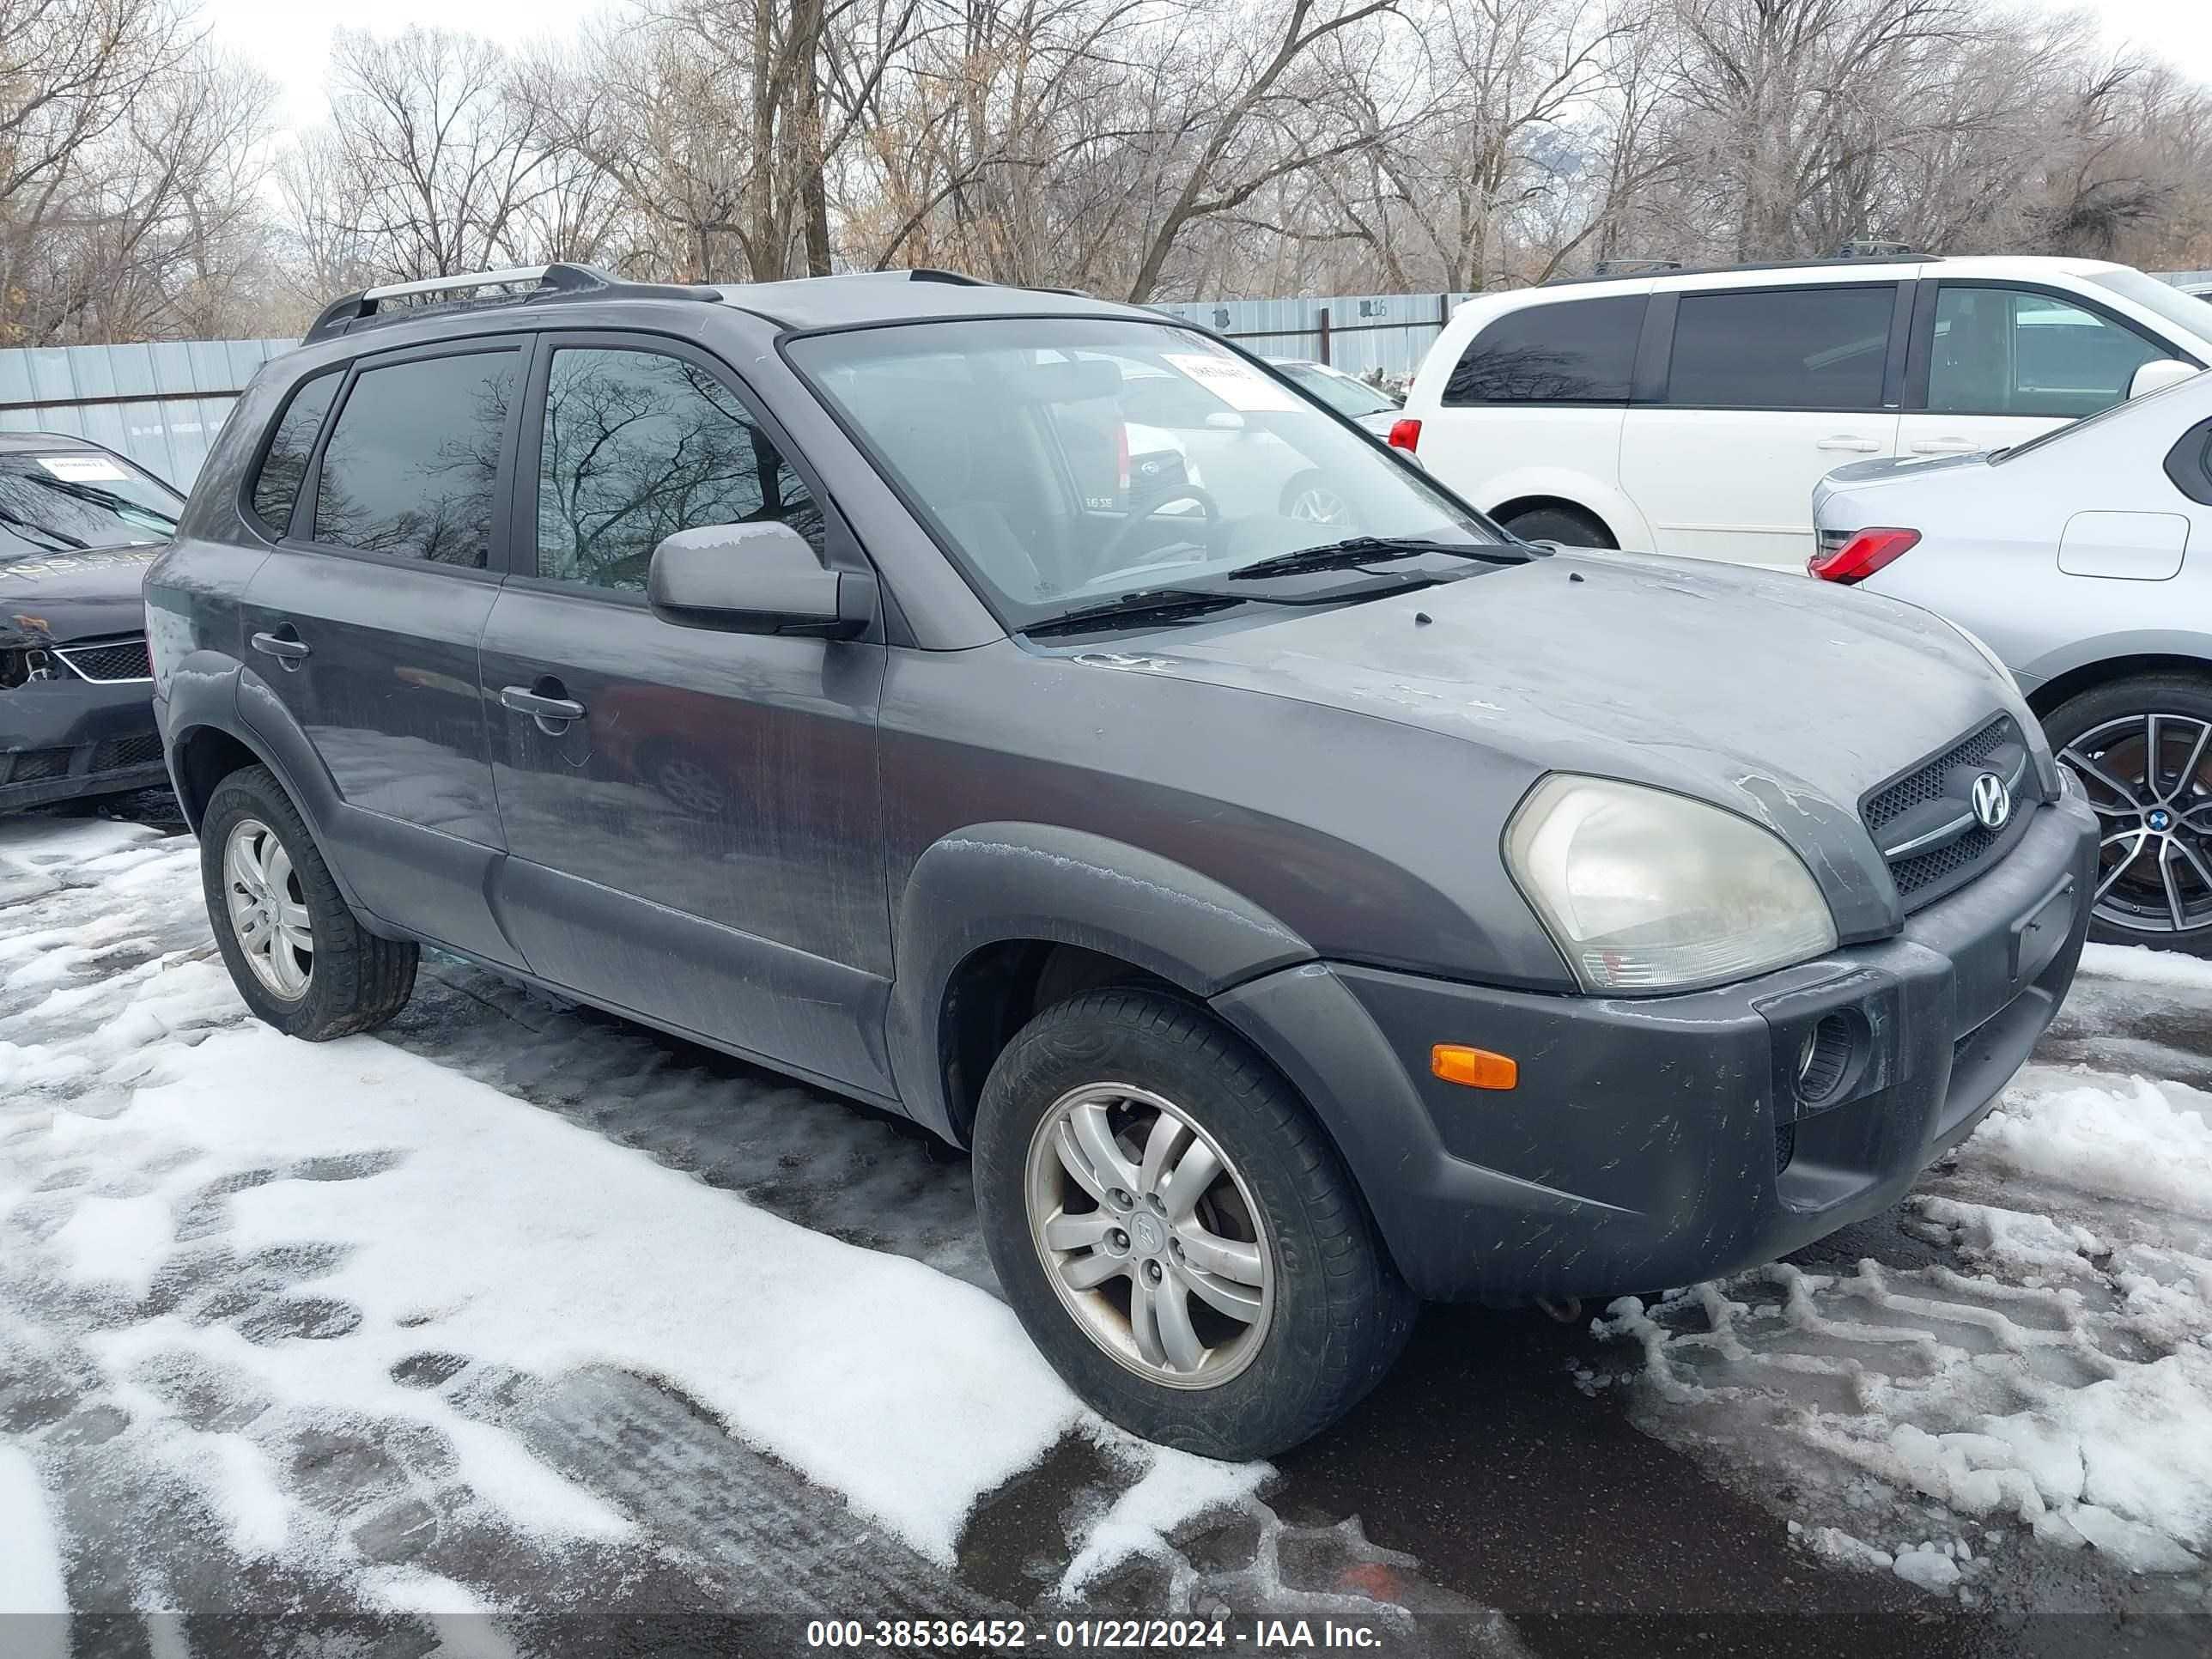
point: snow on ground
(2028, 1405)
(330, 1306)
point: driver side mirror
(2159, 374)
(756, 579)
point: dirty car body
(78, 526)
(1308, 810)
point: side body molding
(989, 883)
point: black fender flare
(211, 693)
(991, 883)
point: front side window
(1063, 461)
(284, 468)
(1758, 348)
(412, 468)
(73, 499)
(2015, 351)
(1574, 351)
(638, 445)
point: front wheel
(2142, 748)
(1174, 1231)
(298, 955)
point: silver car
(2084, 558)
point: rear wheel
(1177, 1235)
(2142, 748)
(1566, 526)
(295, 949)
(1310, 497)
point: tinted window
(1820, 348)
(1581, 351)
(639, 445)
(412, 464)
(283, 469)
(71, 500)
(2012, 351)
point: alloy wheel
(2146, 778)
(1150, 1235)
(1318, 504)
(268, 909)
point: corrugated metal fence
(160, 405)
(1361, 333)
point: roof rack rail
(958, 278)
(545, 282)
(1634, 267)
(1865, 250)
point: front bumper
(1654, 1141)
(62, 739)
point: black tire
(1563, 525)
(1341, 1312)
(358, 980)
(2185, 698)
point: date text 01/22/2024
(1089, 1635)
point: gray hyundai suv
(1298, 920)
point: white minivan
(1692, 412)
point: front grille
(115, 659)
(35, 764)
(1922, 878)
(117, 753)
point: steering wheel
(1156, 516)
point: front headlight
(1644, 890)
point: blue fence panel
(1374, 334)
(161, 404)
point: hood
(55, 598)
(1780, 698)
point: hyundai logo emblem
(1992, 801)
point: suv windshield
(1064, 461)
(77, 499)
(2183, 310)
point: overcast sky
(291, 38)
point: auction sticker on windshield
(1235, 382)
(83, 468)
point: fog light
(1824, 1058)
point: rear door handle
(1944, 446)
(523, 701)
(287, 646)
(1858, 446)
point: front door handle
(286, 646)
(1944, 446)
(546, 710)
(1857, 446)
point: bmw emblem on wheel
(1992, 801)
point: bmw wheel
(2143, 751)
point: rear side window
(2015, 351)
(1578, 351)
(411, 467)
(1805, 347)
(284, 468)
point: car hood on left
(54, 598)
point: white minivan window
(1773, 348)
(1574, 351)
(2019, 351)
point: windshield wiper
(1371, 550)
(1156, 604)
(59, 541)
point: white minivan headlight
(1645, 891)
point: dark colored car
(1296, 922)
(78, 526)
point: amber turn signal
(1478, 1068)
